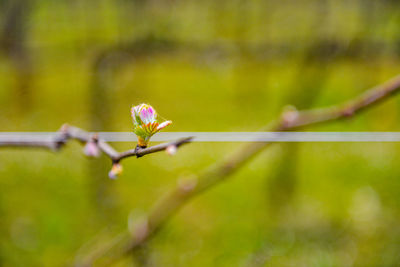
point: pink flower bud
(91, 149)
(115, 171)
(146, 123)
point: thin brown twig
(68, 132)
(191, 186)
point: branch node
(348, 112)
(62, 137)
(187, 184)
(137, 151)
(138, 227)
(289, 115)
(95, 137)
(64, 128)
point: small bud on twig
(64, 128)
(115, 171)
(138, 225)
(91, 149)
(188, 183)
(171, 150)
(348, 112)
(146, 123)
(289, 115)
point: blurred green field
(207, 66)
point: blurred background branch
(192, 185)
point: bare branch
(139, 152)
(68, 132)
(191, 186)
(28, 144)
(347, 109)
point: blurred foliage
(207, 66)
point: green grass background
(232, 66)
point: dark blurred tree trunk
(13, 45)
(282, 183)
(100, 99)
(311, 76)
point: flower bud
(171, 150)
(115, 171)
(91, 149)
(145, 123)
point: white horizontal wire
(224, 136)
